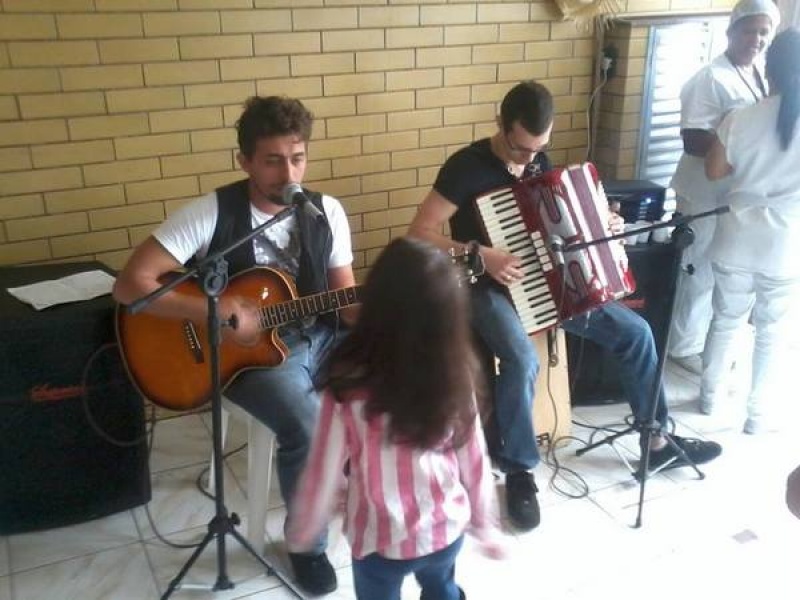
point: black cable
(550, 458)
(199, 480)
(87, 409)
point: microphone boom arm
(673, 222)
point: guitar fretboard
(282, 313)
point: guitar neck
(282, 313)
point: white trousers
(773, 301)
(692, 313)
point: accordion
(563, 206)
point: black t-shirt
(471, 172)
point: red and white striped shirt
(402, 502)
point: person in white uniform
(755, 247)
(729, 81)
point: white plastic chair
(260, 446)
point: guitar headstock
(470, 261)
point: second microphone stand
(682, 238)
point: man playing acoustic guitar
(312, 247)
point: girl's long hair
(411, 348)
(783, 72)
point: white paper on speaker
(72, 288)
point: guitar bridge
(193, 341)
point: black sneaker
(523, 507)
(698, 452)
(313, 573)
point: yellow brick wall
(114, 112)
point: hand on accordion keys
(502, 266)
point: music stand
(682, 237)
(212, 274)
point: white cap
(750, 8)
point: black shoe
(313, 573)
(698, 452)
(523, 507)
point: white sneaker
(692, 363)
(758, 426)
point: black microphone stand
(212, 275)
(682, 237)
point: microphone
(293, 194)
(557, 249)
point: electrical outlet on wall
(608, 62)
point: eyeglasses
(522, 149)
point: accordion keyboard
(506, 230)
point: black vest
(234, 222)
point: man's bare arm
(433, 214)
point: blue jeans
(498, 326)
(628, 337)
(613, 326)
(379, 578)
(284, 399)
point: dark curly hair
(271, 116)
(411, 347)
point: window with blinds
(675, 52)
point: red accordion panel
(569, 205)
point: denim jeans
(613, 326)
(628, 337)
(497, 325)
(379, 578)
(284, 399)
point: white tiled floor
(727, 536)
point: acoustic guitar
(168, 359)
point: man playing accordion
(513, 153)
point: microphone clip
(556, 247)
(293, 195)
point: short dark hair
(271, 116)
(530, 103)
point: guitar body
(169, 359)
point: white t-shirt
(761, 233)
(706, 98)
(188, 232)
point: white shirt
(188, 232)
(761, 233)
(706, 98)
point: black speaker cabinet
(593, 371)
(64, 402)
